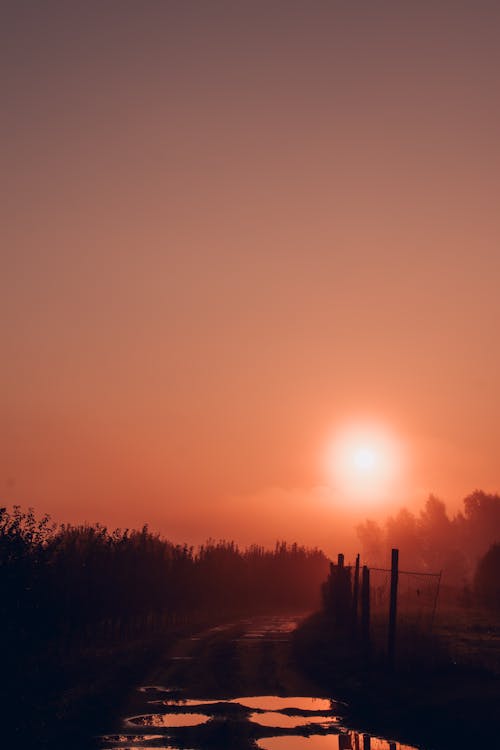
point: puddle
(283, 721)
(256, 702)
(168, 720)
(277, 703)
(366, 742)
(186, 702)
(315, 742)
(269, 628)
(343, 741)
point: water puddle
(184, 702)
(277, 703)
(314, 716)
(315, 742)
(343, 741)
(168, 720)
(269, 628)
(283, 721)
(256, 702)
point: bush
(487, 578)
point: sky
(230, 232)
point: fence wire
(416, 600)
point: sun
(364, 463)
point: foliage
(432, 541)
(487, 578)
(60, 583)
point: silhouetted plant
(72, 582)
(487, 578)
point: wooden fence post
(337, 594)
(391, 641)
(365, 612)
(355, 597)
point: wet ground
(235, 687)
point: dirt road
(234, 686)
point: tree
(371, 537)
(487, 578)
(403, 532)
(441, 549)
(479, 526)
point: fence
(371, 604)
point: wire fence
(416, 600)
(381, 607)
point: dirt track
(233, 686)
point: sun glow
(364, 463)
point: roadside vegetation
(442, 689)
(85, 610)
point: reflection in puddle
(343, 741)
(274, 719)
(187, 702)
(276, 703)
(315, 742)
(168, 720)
(365, 742)
(255, 702)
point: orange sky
(229, 229)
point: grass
(472, 636)
(442, 694)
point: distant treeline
(432, 541)
(58, 582)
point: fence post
(391, 642)
(338, 593)
(436, 600)
(365, 612)
(355, 597)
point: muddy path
(234, 686)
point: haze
(229, 229)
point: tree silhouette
(487, 578)
(432, 541)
